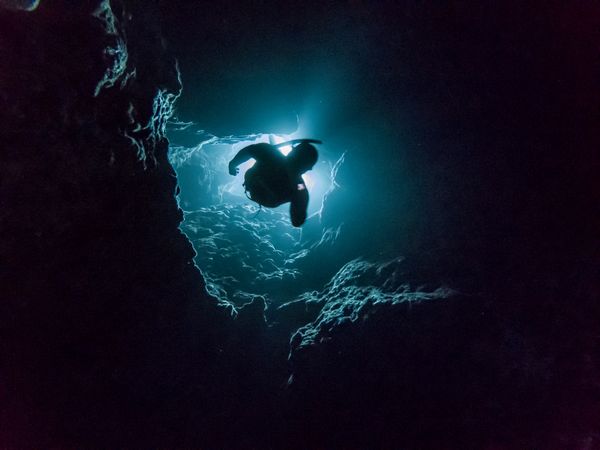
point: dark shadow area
(446, 296)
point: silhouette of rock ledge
(105, 319)
(427, 368)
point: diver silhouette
(276, 179)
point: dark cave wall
(101, 302)
(108, 337)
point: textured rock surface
(400, 362)
(242, 253)
(104, 314)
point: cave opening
(245, 250)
